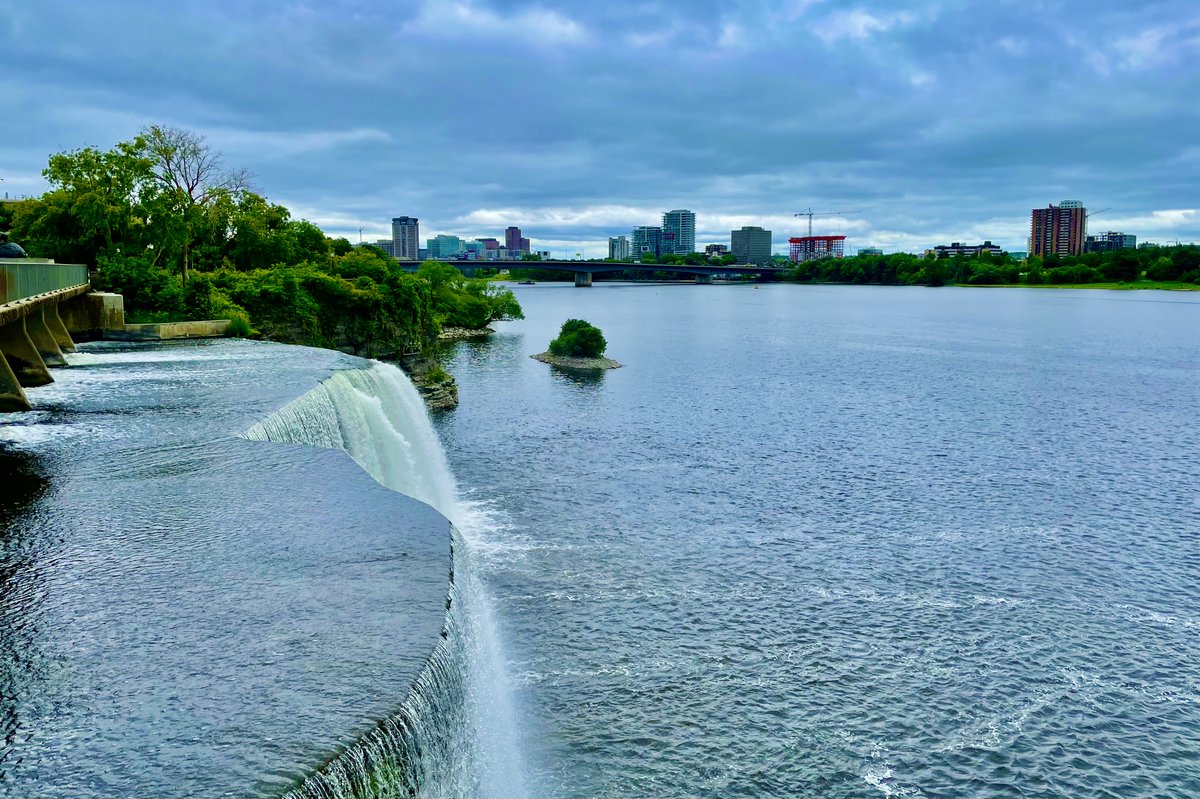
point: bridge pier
(57, 329)
(704, 280)
(583, 279)
(22, 356)
(12, 396)
(42, 338)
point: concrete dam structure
(41, 304)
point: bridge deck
(604, 267)
(24, 278)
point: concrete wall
(35, 331)
(90, 316)
(165, 331)
(33, 338)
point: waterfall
(455, 733)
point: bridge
(584, 270)
(40, 303)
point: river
(847, 541)
(809, 540)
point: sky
(926, 122)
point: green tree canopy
(578, 339)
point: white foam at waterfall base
(379, 419)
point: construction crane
(1093, 213)
(810, 213)
(360, 230)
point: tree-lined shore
(1152, 267)
(168, 225)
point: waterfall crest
(455, 734)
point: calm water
(847, 541)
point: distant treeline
(182, 237)
(1179, 264)
(1168, 264)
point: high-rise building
(618, 248)
(1112, 240)
(814, 248)
(406, 234)
(645, 240)
(513, 241)
(751, 245)
(445, 246)
(387, 245)
(1058, 229)
(679, 232)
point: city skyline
(658, 239)
(855, 109)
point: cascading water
(455, 734)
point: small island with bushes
(579, 345)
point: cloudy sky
(934, 120)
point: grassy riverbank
(1138, 285)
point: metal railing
(21, 279)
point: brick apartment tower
(1058, 230)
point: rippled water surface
(847, 541)
(187, 613)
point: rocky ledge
(576, 363)
(435, 385)
(460, 333)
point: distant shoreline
(1141, 285)
(1152, 286)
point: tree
(578, 339)
(309, 240)
(935, 274)
(363, 261)
(95, 206)
(1186, 258)
(460, 302)
(261, 233)
(1123, 265)
(190, 176)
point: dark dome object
(10, 249)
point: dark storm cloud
(936, 121)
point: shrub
(198, 298)
(239, 326)
(1072, 274)
(437, 374)
(1163, 269)
(578, 339)
(145, 287)
(988, 277)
